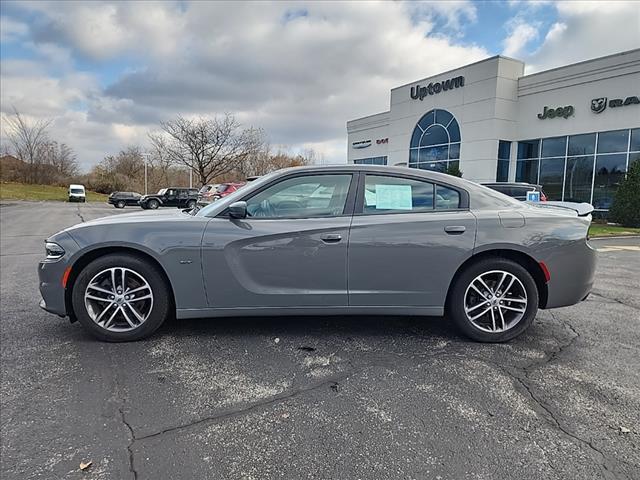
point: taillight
(543, 197)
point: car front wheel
(120, 298)
(494, 300)
(120, 204)
(191, 204)
(153, 204)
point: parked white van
(77, 193)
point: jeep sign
(559, 112)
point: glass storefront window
(635, 140)
(454, 150)
(554, 147)
(582, 144)
(504, 154)
(430, 154)
(528, 149)
(502, 171)
(613, 142)
(434, 166)
(435, 141)
(609, 172)
(434, 135)
(551, 176)
(371, 161)
(527, 171)
(577, 184)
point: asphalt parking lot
(321, 398)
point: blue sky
(108, 72)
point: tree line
(209, 150)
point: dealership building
(574, 130)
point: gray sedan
(355, 239)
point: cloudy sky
(108, 72)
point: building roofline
(460, 67)
(626, 52)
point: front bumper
(50, 274)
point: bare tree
(159, 161)
(210, 147)
(29, 141)
(60, 160)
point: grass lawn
(603, 230)
(22, 191)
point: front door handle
(455, 229)
(331, 238)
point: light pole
(146, 157)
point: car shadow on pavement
(351, 326)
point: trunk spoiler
(582, 209)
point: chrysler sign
(361, 144)
(434, 88)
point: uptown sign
(434, 88)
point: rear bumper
(573, 269)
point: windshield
(77, 190)
(161, 191)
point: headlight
(54, 251)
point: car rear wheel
(120, 298)
(120, 204)
(153, 204)
(494, 300)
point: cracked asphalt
(321, 398)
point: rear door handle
(331, 238)
(455, 229)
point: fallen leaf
(624, 430)
(85, 465)
(277, 340)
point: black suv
(170, 197)
(122, 199)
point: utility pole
(146, 157)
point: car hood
(138, 217)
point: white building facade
(574, 130)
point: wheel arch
(87, 257)
(523, 259)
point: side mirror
(238, 210)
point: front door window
(302, 197)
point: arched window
(435, 142)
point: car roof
(76, 185)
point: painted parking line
(619, 248)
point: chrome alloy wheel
(118, 299)
(495, 301)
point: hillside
(21, 191)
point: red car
(211, 193)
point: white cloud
(521, 33)
(299, 70)
(11, 30)
(587, 30)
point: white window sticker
(393, 197)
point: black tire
(456, 300)
(191, 204)
(153, 204)
(120, 204)
(161, 295)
